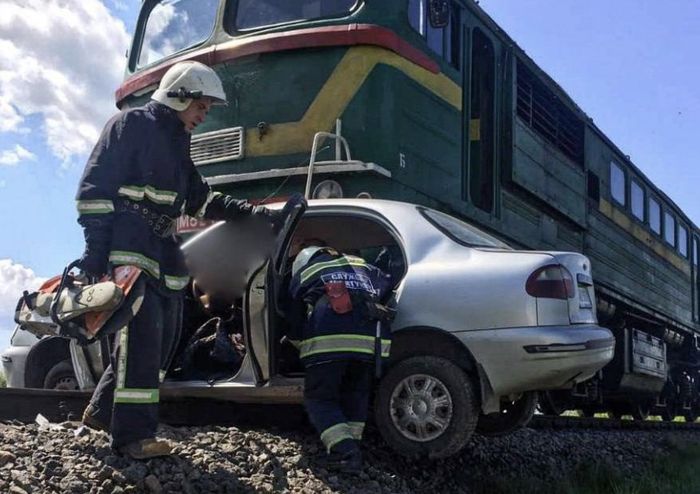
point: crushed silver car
(480, 327)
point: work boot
(349, 462)
(91, 421)
(147, 448)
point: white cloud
(13, 156)
(14, 279)
(119, 5)
(62, 60)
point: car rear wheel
(513, 416)
(61, 377)
(426, 407)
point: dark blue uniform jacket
(141, 165)
(319, 332)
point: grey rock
(153, 484)
(7, 457)
(135, 472)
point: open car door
(236, 262)
(277, 280)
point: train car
(442, 108)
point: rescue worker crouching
(137, 181)
(342, 334)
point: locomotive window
(435, 38)
(617, 183)
(669, 228)
(174, 25)
(655, 215)
(252, 14)
(683, 240)
(637, 200)
(695, 251)
(417, 16)
(447, 41)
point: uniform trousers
(127, 394)
(336, 397)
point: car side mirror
(439, 13)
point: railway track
(567, 422)
(19, 405)
(23, 405)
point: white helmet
(303, 258)
(186, 81)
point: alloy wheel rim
(421, 407)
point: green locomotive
(442, 108)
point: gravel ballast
(67, 458)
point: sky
(631, 65)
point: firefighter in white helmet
(138, 180)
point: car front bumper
(515, 360)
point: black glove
(279, 218)
(95, 260)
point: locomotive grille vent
(216, 146)
(544, 112)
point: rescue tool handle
(53, 311)
(378, 351)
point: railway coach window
(669, 228)
(682, 240)
(617, 183)
(637, 200)
(174, 25)
(251, 14)
(655, 216)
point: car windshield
(461, 232)
(174, 25)
(257, 13)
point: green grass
(3, 381)
(673, 474)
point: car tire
(426, 407)
(513, 416)
(61, 377)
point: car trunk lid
(582, 303)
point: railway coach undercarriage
(655, 372)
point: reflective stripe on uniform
(334, 434)
(176, 282)
(161, 375)
(138, 396)
(137, 193)
(121, 257)
(95, 207)
(123, 352)
(356, 429)
(210, 197)
(344, 343)
(343, 261)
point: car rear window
(461, 232)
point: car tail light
(553, 281)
